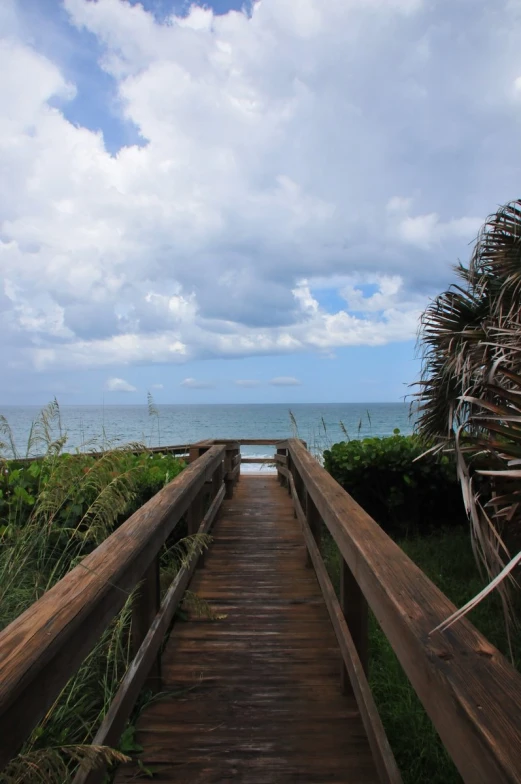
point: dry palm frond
(496, 583)
(470, 388)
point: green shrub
(403, 496)
(75, 481)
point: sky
(242, 202)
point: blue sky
(242, 202)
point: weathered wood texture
(114, 722)
(352, 667)
(258, 460)
(44, 647)
(470, 691)
(256, 694)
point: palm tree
(470, 386)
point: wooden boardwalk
(257, 696)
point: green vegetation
(418, 502)
(446, 557)
(53, 512)
(470, 389)
(404, 494)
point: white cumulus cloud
(318, 140)
(119, 385)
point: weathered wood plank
(383, 756)
(470, 691)
(114, 722)
(258, 694)
(44, 647)
(257, 460)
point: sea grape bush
(402, 494)
(67, 478)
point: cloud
(193, 383)
(119, 385)
(157, 386)
(350, 143)
(285, 381)
(247, 383)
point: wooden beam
(470, 691)
(44, 647)
(383, 756)
(114, 722)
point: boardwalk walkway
(258, 698)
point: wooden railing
(469, 690)
(45, 646)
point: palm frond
(470, 388)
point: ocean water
(89, 427)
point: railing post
(354, 607)
(289, 466)
(195, 514)
(144, 609)
(211, 489)
(217, 479)
(196, 450)
(279, 475)
(230, 477)
(315, 524)
(237, 461)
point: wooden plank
(266, 460)
(114, 722)
(249, 441)
(44, 647)
(470, 691)
(257, 691)
(383, 756)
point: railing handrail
(470, 691)
(175, 449)
(42, 648)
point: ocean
(90, 427)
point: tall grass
(52, 513)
